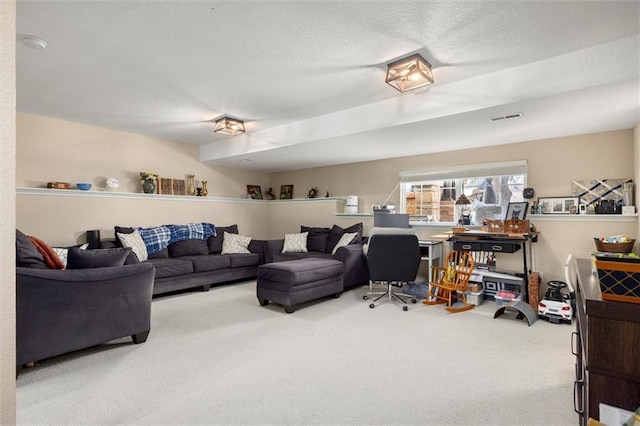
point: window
(431, 194)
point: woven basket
(614, 247)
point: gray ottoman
(297, 281)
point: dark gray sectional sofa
(199, 263)
(95, 300)
(320, 244)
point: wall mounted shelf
(142, 196)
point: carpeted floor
(220, 358)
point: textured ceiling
(308, 76)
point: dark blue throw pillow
(336, 233)
(100, 258)
(317, 238)
(27, 255)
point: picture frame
(254, 192)
(286, 192)
(517, 211)
(559, 205)
(169, 186)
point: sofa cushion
(162, 254)
(336, 233)
(346, 239)
(240, 260)
(295, 243)
(215, 242)
(188, 248)
(51, 258)
(234, 243)
(172, 267)
(281, 257)
(317, 238)
(121, 230)
(26, 253)
(155, 239)
(134, 240)
(63, 253)
(209, 262)
(78, 258)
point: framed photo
(171, 186)
(254, 192)
(517, 211)
(559, 205)
(286, 192)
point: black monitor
(391, 220)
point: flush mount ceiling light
(229, 126)
(33, 42)
(409, 73)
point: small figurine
(269, 194)
(327, 196)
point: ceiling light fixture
(229, 126)
(409, 73)
(33, 42)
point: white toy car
(557, 306)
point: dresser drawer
(468, 246)
(500, 247)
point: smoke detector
(33, 42)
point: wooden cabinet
(607, 348)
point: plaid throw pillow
(156, 239)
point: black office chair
(393, 259)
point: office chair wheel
(365, 297)
(405, 308)
(414, 300)
(372, 306)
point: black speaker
(93, 238)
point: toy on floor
(557, 305)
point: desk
(497, 243)
(430, 251)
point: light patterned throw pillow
(295, 243)
(344, 241)
(235, 243)
(63, 253)
(135, 241)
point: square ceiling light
(229, 126)
(409, 73)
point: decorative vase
(192, 185)
(205, 191)
(149, 186)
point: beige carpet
(220, 358)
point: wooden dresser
(607, 349)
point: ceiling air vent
(506, 117)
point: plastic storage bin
(475, 298)
(501, 301)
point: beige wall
(7, 212)
(51, 149)
(552, 165)
(56, 150)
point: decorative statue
(269, 194)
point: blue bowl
(83, 186)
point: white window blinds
(507, 168)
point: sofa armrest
(355, 271)
(59, 311)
